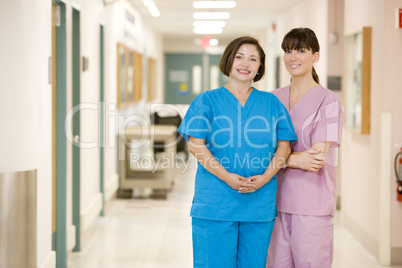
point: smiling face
(246, 63)
(299, 62)
(231, 50)
(301, 49)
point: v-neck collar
(295, 107)
(235, 100)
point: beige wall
(335, 26)
(360, 161)
(392, 103)
(362, 202)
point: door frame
(60, 233)
(101, 118)
(76, 76)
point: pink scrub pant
(301, 242)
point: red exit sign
(398, 18)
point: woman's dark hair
(226, 63)
(299, 38)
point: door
(59, 139)
(183, 77)
(76, 71)
(187, 75)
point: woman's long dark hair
(299, 38)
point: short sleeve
(329, 124)
(285, 130)
(197, 121)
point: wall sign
(398, 18)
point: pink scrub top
(317, 117)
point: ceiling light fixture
(214, 4)
(207, 30)
(214, 42)
(209, 23)
(152, 8)
(211, 15)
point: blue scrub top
(243, 140)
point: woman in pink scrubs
(306, 195)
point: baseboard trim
(91, 213)
(50, 261)
(396, 256)
(111, 187)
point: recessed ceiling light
(152, 8)
(214, 42)
(209, 23)
(207, 30)
(211, 15)
(214, 4)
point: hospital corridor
(95, 168)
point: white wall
(22, 67)
(117, 30)
(110, 67)
(158, 53)
(44, 185)
(25, 103)
(90, 19)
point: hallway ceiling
(176, 17)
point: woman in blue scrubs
(240, 137)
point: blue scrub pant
(226, 244)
